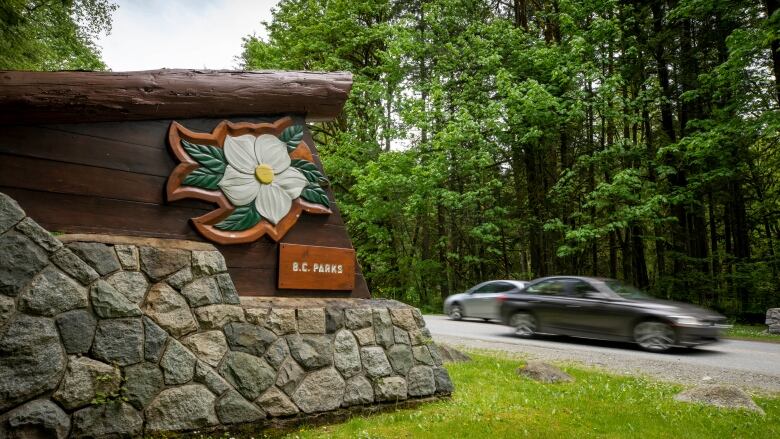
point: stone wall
(104, 336)
(773, 320)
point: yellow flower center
(264, 173)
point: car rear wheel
(654, 336)
(456, 312)
(524, 324)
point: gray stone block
(10, 212)
(209, 346)
(40, 418)
(249, 338)
(128, 256)
(74, 266)
(169, 310)
(84, 380)
(203, 291)
(154, 340)
(181, 278)
(375, 362)
(131, 284)
(347, 354)
(206, 263)
(248, 374)
(77, 329)
(115, 419)
(383, 328)
(120, 341)
(357, 318)
(39, 235)
(177, 363)
(108, 303)
(232, 408)
(289, 375)
(390, 389)
(187, 407)
(99, 256)
(276, 403)
(443, 381)
(358, 391)
(311, 351)
(20, 260)
(228, 289)
(277, 352)
(32, 360)
(401, 358)
(420, 381)
(158, 263)
(320, 391)
(204, 374)
(52, 292)
(143, 382)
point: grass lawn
(492, 401)
(752, 332)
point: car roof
(519, 283)
(585, 278)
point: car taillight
(501, 297)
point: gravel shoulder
(749, 365)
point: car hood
(680, 308)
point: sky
(183, 34)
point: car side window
(504, 287)
(580, 288)
(548, 288)
(485, 289)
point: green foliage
(521, 139)
(242, 218)
(53, 34)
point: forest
(487, 139)
(525, 138)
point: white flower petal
(240, 153)
(292, 181)
(272, 151)
(240, 188)
(273, 203)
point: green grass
(492, 401)
(752, 332)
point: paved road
(752, 365)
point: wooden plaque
(308, 267)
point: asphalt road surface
(747, 364)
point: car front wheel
(524, 324)
(456, 312)
(654, 336)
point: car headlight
(687, 320)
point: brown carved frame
(204, 224)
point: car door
(482, 301)
(546, 299)
(486, 302)
(593, 313)
(472, 301)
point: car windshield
(626, 291)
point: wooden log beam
(68, 97)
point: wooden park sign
(316, 268)
(216, 156)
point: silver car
(481, 301)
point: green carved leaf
(203, 178)
(310, 171)
(292, 136)
(315, 194)
(242, 218)
(208, 156)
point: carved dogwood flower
(259, 172)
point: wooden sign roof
(74, 97)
